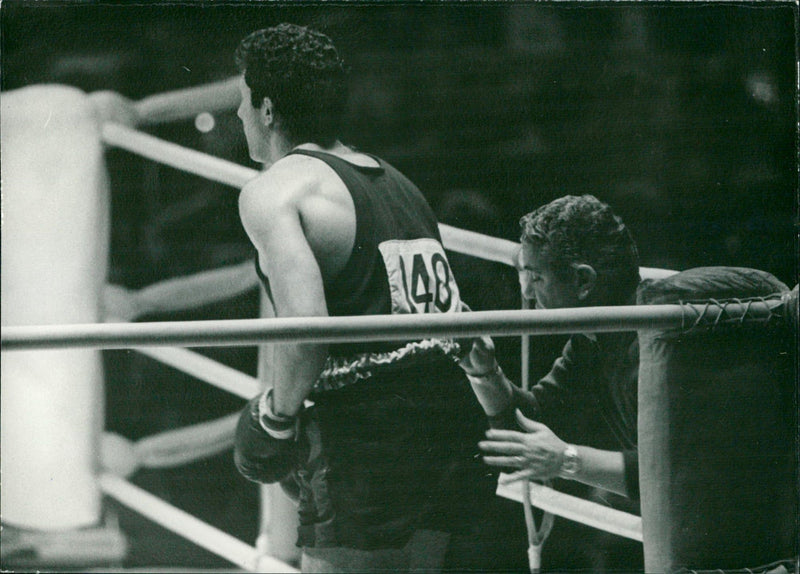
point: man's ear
(586, 279)
(265, 112)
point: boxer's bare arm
(299, 235)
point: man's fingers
(505, 461)
(504, 435)
(505, 448)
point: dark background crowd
(682, 116)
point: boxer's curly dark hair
(582, 229)
(301, 72)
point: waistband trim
(340, 372)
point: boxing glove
(265, 447)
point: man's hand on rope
(489, 383)
(478, 359)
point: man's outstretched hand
(535, 451)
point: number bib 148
(420, 280)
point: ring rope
(183, 104)
(174, 448)
(207, 370)
(230, 173)
(478, 245)
(178, 293)
(223, 96)
(362, 328)
(773, 308)
(181, 446)
(168, 449)
(174, 155)
(191, 528)
(235, 175)
(577, 509)
(187, 444)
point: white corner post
(55, 237)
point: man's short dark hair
(300, 70)
(583, 230)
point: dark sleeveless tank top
(398, 425)
(397, 264)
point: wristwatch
(571, 463)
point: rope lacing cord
(701, 318)
(785, 566)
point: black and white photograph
(391, 286)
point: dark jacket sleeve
(258, 456)
(552, 395)
(563, 395)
